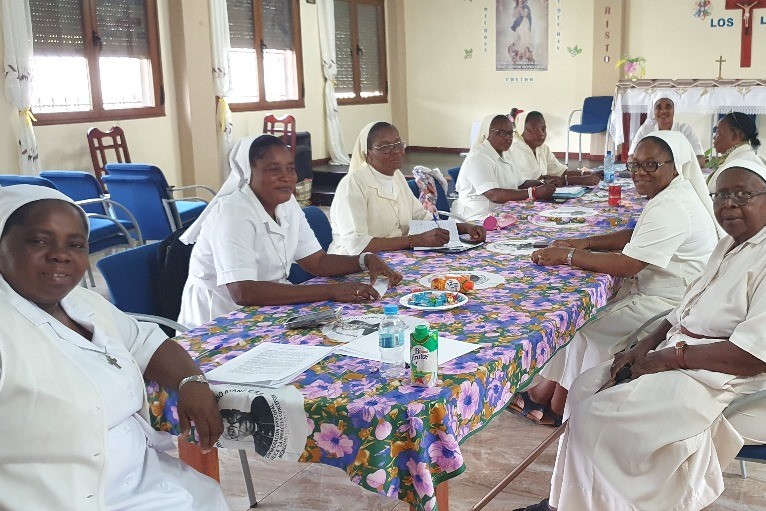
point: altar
(633, 99)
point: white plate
(625, 183)
(514, 247)
(405, 301)
(480, 279)
(568, 212)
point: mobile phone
(540, 244)
(313, 319)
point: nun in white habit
(74, 418)
(252, 232)
(660, 440)
(373, 205)
(488, 178)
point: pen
(436, 221)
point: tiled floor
(489, 456)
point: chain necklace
(283, 260)
(109, 359)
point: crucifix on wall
(747, 7)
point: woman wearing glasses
(535, 161)
(373, 205)
(659, 440)
(666, 250)
(487, 177)
(735, 137)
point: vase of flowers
(633, 67)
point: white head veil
(751, 165)
(239, 162)
(14, 197)
(655, 98)
(484, 131)
(359, 152)
(688, 167)
(521, 120)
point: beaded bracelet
(409, 241)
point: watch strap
(680, 346)
(361, 260)
(199, 378)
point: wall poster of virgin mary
(522, 35)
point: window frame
(382, 54)
(262, 104)
(98, 112)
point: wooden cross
(720, 61)
(747, 6)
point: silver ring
(357, 293)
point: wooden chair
(286, 131)
(99, 142)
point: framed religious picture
(521, 35)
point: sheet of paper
(381, 285)
(421, 226)
(570, 189)
(269, 364)
(367, 347)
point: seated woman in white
(660, 118)
(252, 232)
(487, 178)
(74, 415)
(373, 206)
(531, 157)
(659, 440)
(666, 250)
(735, 138)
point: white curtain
(17, 32)
(219, 35)
(338, 153)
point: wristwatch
(680, 345)
(361, 259)
(200, 378)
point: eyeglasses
(740, 197)
(390, 148)
(647, 166)
(503, 133)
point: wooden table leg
(442, 497)
(204, 463)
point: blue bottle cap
(390, 309)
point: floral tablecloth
(399, 440)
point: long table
(403, 441)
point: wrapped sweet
(454, 283)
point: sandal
(529, 406)
(542, 506)
(550, 418)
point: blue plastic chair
(184, 212)
(320, 224)
(594, 118)
(13, 179)
(453, 173)
(442, 204)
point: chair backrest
(77, 185)
(141, 169)
(442, 204)
(130, 276)
(453, 173)
(14, 179)
(144, 198)
(282, 127)
(320, 224)
(102, 142)
(596, 110)
(172, 272)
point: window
(360, 52)
(266, 65)
(95, 60)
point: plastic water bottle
(391, 341)
(609, 167)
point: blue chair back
(141, 169)
(13, 179)
(595, 115)
(320, 224)
(442, 204)
(453, 173)
(130, 276)
(143, 197)
(77, 185)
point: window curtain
(219, 34)
(338, 153)
(17, 67)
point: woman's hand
(529, 183)
(377, 267)
(551, 256)
(654, 362)
(544, 191)
(434, 238)
(628, 357)
(476, 232)
(578, 243)
(589, 179)
(196, 403)
(553, 180)
(352, 292)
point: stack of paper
(269, 364)
(454, 243)
(568, 192)
(367, 347)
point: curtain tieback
(223, 112)
(27, 115)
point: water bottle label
(387, 340)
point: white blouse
(651, 126)
(483, 170)
(369, 205)
(239, 241)
(533, 164)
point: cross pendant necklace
(109, 359)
